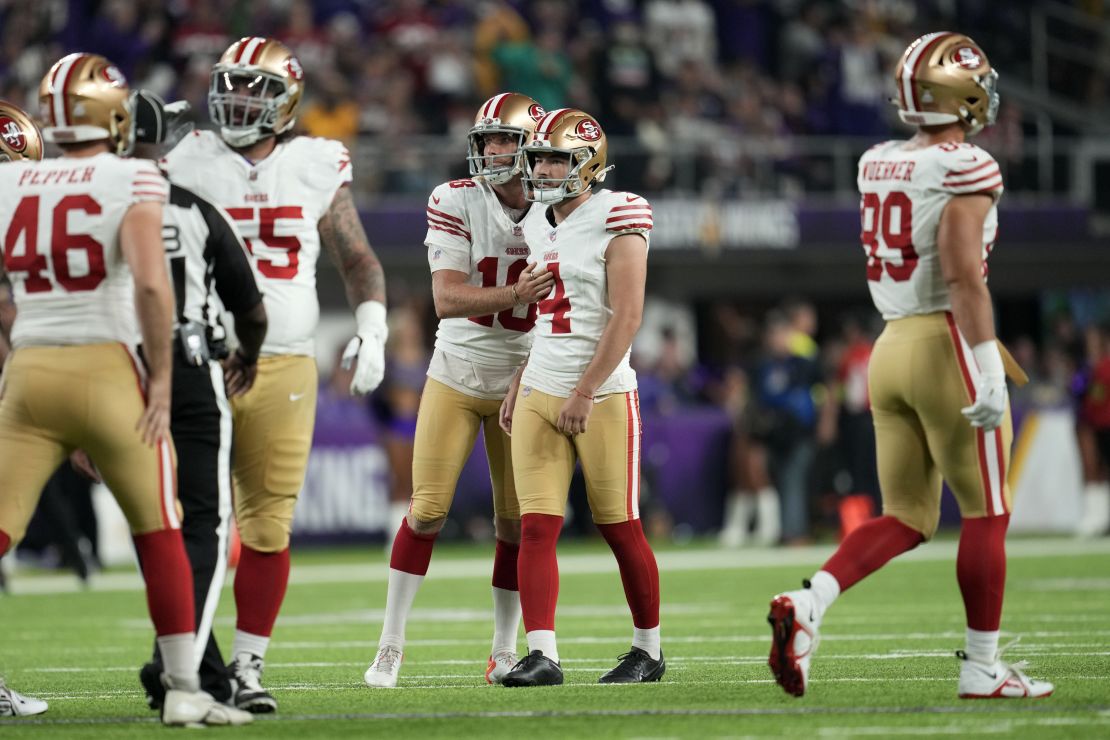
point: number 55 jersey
(903, 194)
(276, 204)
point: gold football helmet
(509, 113)
(580, 137)
(84, 97)
(19, 136)
(944, 78)
(255, 91)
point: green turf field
(885, 667)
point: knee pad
(264, 534)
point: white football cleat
(500, 663)
(794, 618)
(199, 709)
(382, 673)
(998, 680)
(15, 704)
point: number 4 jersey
(903, 193)
(276, 204)
(470, 231)
(61, 219)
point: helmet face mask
(579, 137)
(255, 91)
(946, 78)
(506, 113)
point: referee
(204, 252)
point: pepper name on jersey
(276, 204)
(574, 316)
(903, 193)
(61, 220)
(470, 232)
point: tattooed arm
(342, 236)
(344, 239)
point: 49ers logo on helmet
(113, 75)
(294, 68)
(12, 134)
(968, 57)
(587, 130)
(536, 112)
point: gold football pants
(273, 425)
(90, 397)
(922, 373)
(544, 457)
(446, 428)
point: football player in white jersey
(289, 197)
(937, 376)
(83, 249)
(577, 400)
(485, 292)
(19, 139)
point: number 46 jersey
(276, 204)
(903, 193)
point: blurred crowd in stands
(702, 74)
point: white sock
(768, 530)
(739, 512)
(245, 642)
(398, 603)
(982, 647)
(506, 619)
(825, 587)
(647, 640)
(544, 641)
(177, 657)
(1096, 509)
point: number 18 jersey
(903, 193)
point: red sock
(868, 548)
(169, 581)
(981, 570)
(639, 573)
(5, 542)
(260, 582)
(538, 570)
(505, 565)
(412, 552)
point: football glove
(367, 348)
(991, 395)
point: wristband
(516, 296)
(588, 398)
(989, 359)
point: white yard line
(580, 564)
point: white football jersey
(276, 204)
(573, 317)
(61, 219)
(903, 193)
(470, 231)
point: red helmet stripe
(59, 107)
(244, 43)
(257, 51)
(500, 104)
(907, 73)
(549, 121)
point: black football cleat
(150, 676)
(534, 669)
(636, 666)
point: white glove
(368, 346)
(991, 395)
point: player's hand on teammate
(154, 424)
(990, 403)
(575, 414)
(239, 373)
(534, 284)
(80, 461)
(367, 349)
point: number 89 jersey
(903, 193)
(276, 204)
(470, 232)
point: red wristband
(588, 398)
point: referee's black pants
(201, 426)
